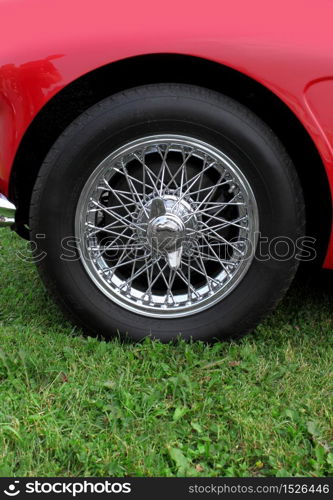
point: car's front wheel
(151, 207)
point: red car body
(287, 47)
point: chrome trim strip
(7, 212)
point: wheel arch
(90, 88)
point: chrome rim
(166, 226)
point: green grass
(74, 406)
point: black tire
(166, 108)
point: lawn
(76, 406)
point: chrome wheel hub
(167, 226)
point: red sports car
(171, 163)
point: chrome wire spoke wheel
(167, 226)
(165, 187)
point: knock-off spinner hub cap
(166, 226)
(165, 232)
(169, 221)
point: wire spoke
(180, 168)
(224, 223)
(164, 166)
(156, 278)
(187, 283)
(105, 230)
(202, 273)
(119, 217)
(133, 179)
(137, 273)
(167, 283)
(209, 257)
(149, 173)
